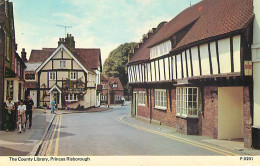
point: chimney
(69, 41)
(23, 53)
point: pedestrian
(29, 109)
(53, 106)
(123, 100)
(21, 116)
(9, 107)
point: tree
(115, 64)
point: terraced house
(68, 75)
(11, 65)
(195, 71)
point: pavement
(14, 144)
(28, 142)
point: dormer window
(161, 49)
(62, 64)
(115, 85)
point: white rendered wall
(256, 62)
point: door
(230, 112)
(134, 104)
(33, 94)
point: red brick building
(112, 89)
(193, 72)
(11, 66)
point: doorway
(230, 113)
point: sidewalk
(236, 146)
(14, 144)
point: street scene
(179, 79)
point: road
(102, 133)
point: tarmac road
(105, 134)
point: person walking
(53, 106)
(21, 116)
(29, 109)
(9, 106)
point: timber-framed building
(66, 74)
(195, 71)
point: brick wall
(209, 122)
(167, 117)
(2, 46)
(247, 118)
(143, 111)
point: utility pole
(65, 27)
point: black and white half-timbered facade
(68, 75)
(195, 71)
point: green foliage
(115, 64)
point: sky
(103, 24)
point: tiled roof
(110, 81)
(32, 66)
(116, 80)
(89, 58)
(209, 18)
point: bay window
(160, 97)
(187, 101)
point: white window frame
(160, 49)
(73, 75)
(52, 76)
(115, 85)
(160, 99)
(141, 98)
(103, 86)
(186, 97)
(71, 97)
(103, 98)
(62, 64)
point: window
(160, 98)
(71, 97)
(62, 64)
(30, 77)
(9, 89)
(187, 102)
(115, 85)
(161, 49)
(103, 98)
(73, 75)
(52, 76)
(103, 86)
(141, 98)
(118, 98)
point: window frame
(114, 85)
(183, 102)
(62, 64)
(160, 99)
(141, 98)
(72, 75)
(71, 97)
(118, 98)
(52, 75)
